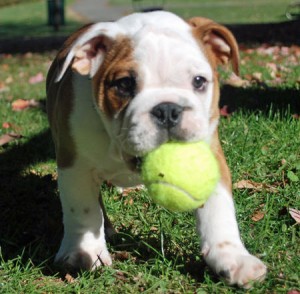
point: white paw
(235, 264)
(83, 253)
(82, 260)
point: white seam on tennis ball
(178, 188)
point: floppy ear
(218, 40)
(86, 49)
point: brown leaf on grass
(127, 191)
(154, 229)
(224, 111)
(9, 80)
(38, 78)
(3, 87)
(258, 215)
(129, 201)
(5, 67)
(295, 214)
(236, 81)
(247, 184)
(21, 104)
(121, 255)
(8, 125)
(6, 138)
(121, 276)
(69, 278)
(257, 76)
(272, 67)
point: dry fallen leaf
(69, 278)
(38, 78)
(126, 191)
(257, 76)
(121, 255)
(236, 81)
(295, 214)
(294, 292)
(21, 104)
(258, 215)
(247, 184)
(6, 138)
(3, 87)
(9, 80)
(224, 111)
(6, 125)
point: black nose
(167, 115)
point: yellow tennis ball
(180, 176)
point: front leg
(222, 247)
(83, 245)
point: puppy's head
(154, 77)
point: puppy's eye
(125, 87)
(199, 83)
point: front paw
(83, 252)
(235, 264)
(82, 260)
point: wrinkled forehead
(169, 57)
(136, 22)
(153, 28)
(164, 43)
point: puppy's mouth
(134, 163)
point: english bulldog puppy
(116, 91)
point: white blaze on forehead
(161, 19)
(169, 58)
(166, 51)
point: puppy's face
(154, 81)
(173, 92)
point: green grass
(30, 20)
(155, 251)
(235, 11)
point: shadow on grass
(265, 100)
(285, 33)
(30, 211)
(147, 249)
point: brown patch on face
(118, 69)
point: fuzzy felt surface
(180, 176)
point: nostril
(175, 113)
(160, 114)
(167, 115)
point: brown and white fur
(119, 89)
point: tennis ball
(180, 176)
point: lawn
(235, 11)
(30, 20)
(156, 251)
